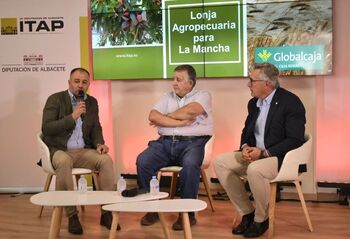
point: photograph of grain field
(290, 23)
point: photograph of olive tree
(126, 22)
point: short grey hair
(270, 72)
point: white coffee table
(161, 206)
(60, 199)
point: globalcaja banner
(139, 39)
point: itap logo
(32, 25)
(264, 55)
(8, 26)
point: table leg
(55, 222)
(164, 226)
(186, 225)
(114, 225)
(59, 221)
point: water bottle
(154, 186)
(121, 184)
(82, 184)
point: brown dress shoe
(149, 219)
(177, 226)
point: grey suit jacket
(58, 123)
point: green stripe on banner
(84, 42)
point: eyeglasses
(251, 80)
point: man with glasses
(275, 125)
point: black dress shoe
(256, 229)
(106, 220)
(247, 220)
(177, 226)
(74, 225)
(149, 219)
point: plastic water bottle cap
(153, 177)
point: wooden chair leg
(96, 182)
(159, 175)
(236, 220)
(207, 189)
(46, 188)
(173, 184)
(272, 205)
(303, 204)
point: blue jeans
(165, 152)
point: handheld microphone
(133, 192)
(80, 98)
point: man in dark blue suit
(275, 125)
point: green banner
(207, 35)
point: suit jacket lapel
(254, 117)
(68, 103)
(273, 107)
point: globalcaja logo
(8, 26)
(264, 55)
(32, 25)
(303, 57)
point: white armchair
(289, 171)
(48, 168)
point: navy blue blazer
(285, 124)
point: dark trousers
(164, 152)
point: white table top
(75, 198)
(165, 205)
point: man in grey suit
(275, 125)
(72, 131)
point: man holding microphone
(72, 131)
